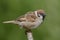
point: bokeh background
(11, 9)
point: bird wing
(21, 18)
(30, 16)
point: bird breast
(31, 25)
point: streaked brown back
(29, 16)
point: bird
(30, 20)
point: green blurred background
(11, 9)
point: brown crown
(40, 11)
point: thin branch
(29, 35)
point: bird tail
(12, 21)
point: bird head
(40, 13)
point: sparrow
(30, 20)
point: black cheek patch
(44, 15)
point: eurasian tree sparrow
(30, 20)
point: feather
(9, 21)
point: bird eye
(38, 15)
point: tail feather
(9, 21)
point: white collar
(36, 13)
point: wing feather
(30, 16)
